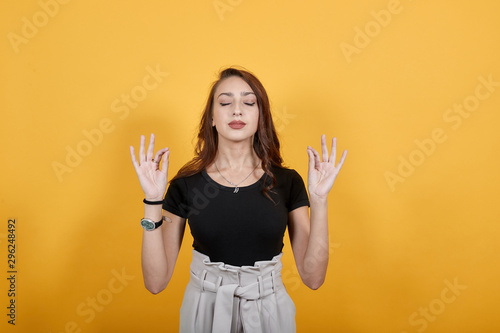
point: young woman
(238, 200)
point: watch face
(148, 225)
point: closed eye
(226, 104)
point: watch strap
(159, 223)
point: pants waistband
(249, 283)
(263, 278)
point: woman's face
(235, 111)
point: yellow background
(394, 248)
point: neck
(235, 155)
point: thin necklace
(236, 188)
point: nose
(236, 110)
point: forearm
(153, 256)
(317, 253)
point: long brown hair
(265, 143)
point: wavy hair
(265, 143)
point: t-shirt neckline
(228, 188)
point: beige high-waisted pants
(221, 298)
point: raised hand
(153, 179)
(323, 171)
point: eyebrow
(230, 94)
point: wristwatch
(148, 224)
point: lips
(237, 124)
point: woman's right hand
(153, 179)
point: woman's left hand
(323, 171)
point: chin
(237, 137)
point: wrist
(153, 212)
(316, 199)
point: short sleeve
(175, 200)
(298, 193)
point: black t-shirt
(236, 228)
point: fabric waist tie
(248, 283)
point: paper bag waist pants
(222, 298)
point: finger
(317, 159)
(134, 160)
(151, 148)
(324, 150)
(342, 159)
(333, 154)
(311, 159)
(142, 156)
(164, 166)
(158, 156)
